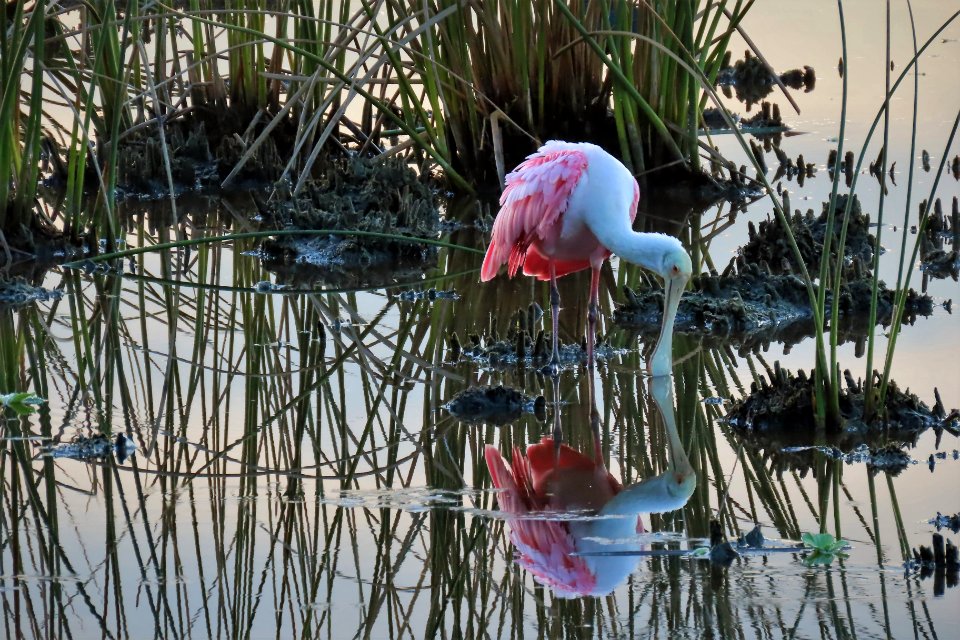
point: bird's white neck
(644, 249)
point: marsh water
(296, 471)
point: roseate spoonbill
(553, 549)
(573, 557)
(567, 207)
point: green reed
(832, 261)
(243, 402)
(546, 69)
(21, 43)
(827, 376)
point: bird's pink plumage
(531, 208)
(545, 546)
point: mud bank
(357, 194)
(755, 307)
(752, 79)
(494, 405)
(777, 417)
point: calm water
(293, 481)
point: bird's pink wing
(546, 546)
(532, 206)
(537, 265)
(543, 461)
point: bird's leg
(595, 422)
(557, 429)
(553, 367)
(593, 314)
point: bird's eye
(675, 270)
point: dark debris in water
(754, 539)
(526, 344)
(890, 457)
(722, 552)
(946, 522)
(940, 455)
(940, 244)
(17, 293)
(431, 294)
(344, 261)
(494, 405)
(941, 561)
(94, 447)
(753, 80)
(520, 349)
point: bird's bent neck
(644, 249)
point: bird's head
(676, 265)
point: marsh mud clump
(202, 150)
(17, 292)
(494, 405)
(768, 242)
(778, 418)
(783, 402)
(753, 80)
(754, 307)
(940, 244)
(356, 194)
(95, 447)
(525, 345)
(759, 299)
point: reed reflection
(567, 512)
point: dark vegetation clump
(768, 242)
(17, 292)
(356, 194)
(777, 417)
(940, 244)
(753, 79)
(493, 405)
(755, 306)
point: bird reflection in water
(572, 554)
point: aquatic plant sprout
(22, 403)
(825, 548)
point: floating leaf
(824, 542)
(22, 402)
(825, 548)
